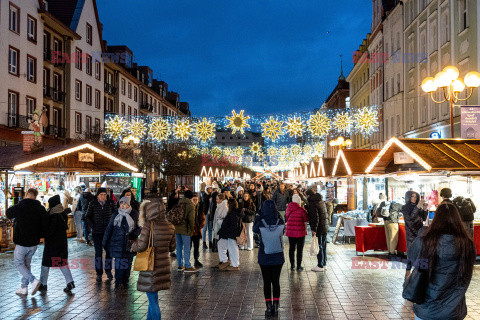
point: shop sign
(435, 135)
(470, 122)
(86, 157)
(402, 158)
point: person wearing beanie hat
(98, 216)
(446, 194)
(184, 232)
(133, 202)
(121, 231)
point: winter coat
(205, 203)
(84, 201)
(55, 252)
(249, 211)
(220, 214)
(445, 295)
(413, 217)
(317, 214)
(259, 200)
(163, 242)
(27, 226)
(391, 211)
(296, 217)
(281, 200)
(187, 227)
(270, 214)
(117, 239)
(199, 220)
(213, 206)
(231, 226)
(98, 216)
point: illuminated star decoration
(366, 120)
(343, 122)
(216, 152)
(272, 151)
(255, 148)
(137, 129)
(238, 151)
(159, 130)
(307, 150)
(227, 152)
(319, 148)
(296, 150)
(195, 150)
(272, 128)
(261, 155)
(182, 129)
(115, 127)
(238, 122)
(205, 130)
(204, 150)
(284, 151)
(295, 127)
(319, 124)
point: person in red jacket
(296, 218)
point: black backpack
(465, 207)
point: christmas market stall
(59, 169)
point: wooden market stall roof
(266, 172)
(62, 158)
(428, 155)
(353, 161)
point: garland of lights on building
(280, 133)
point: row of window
(88, 124)
(124, 111)
(462, 6)
(14, 23)
(14, 64)
(88, 94)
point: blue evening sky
(264, 56)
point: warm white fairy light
(216, 152)
(255, 148)
(205, 130)
(272, 128)
(182, 129)
(272, 151)
(366, 120)
(284, 151)
(137, 128)
(159, 130)
(238, 122)
(227, 152)
(296, 149)
(115, 127)
(343, 122)
(294, 127)
(319, 124)
(239, 151)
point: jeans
(153, 308)
(296, 243)
(122, 269)
(322, 250)
(87, 231)
(207, 228)
(97, 242)
(46, 270)
(271, 278)
(196, 246)
(77, 217)
(22, 257)
(183, 250)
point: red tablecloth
(374, 238)
(476, 238)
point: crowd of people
(226, 218)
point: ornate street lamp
(448, 81)
(341, 143)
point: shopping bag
(314, 246)
(415, 286)
(242, 238)
(144, 261)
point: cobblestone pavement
(342, 292)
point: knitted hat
(188, 194)
(101, 190)
(54, 201)
(446, 193)
(125, 199)
(296, 198)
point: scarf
(124, 214)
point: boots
(276, 304)
(210, 245)
(268, 312)
(205, 245)
(70, 286)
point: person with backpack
(82, 206)
(465, 207)
(121, 231)
(317, 216)
(55, 252)
(153, 223)
(391, 212)
(249, 213)
(296, 219)
(446, 253)
(182, 216)
(197, 230)
(228, 233)
(270, 254)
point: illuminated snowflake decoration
(296, 150)
(343, 122)
(255, 148)
(194, 150)
(137, 129)
(272, 151)
(272, 128)
(182, 129)
(216, 152)
(319, 124)
(238, 122)
(115, 127)
(205, 130)
(228, 152)
(319, 148)
(295, 127)
(290, 158)
(261, 155)
(238, 151)
(366, 120)
(307, 150)
(284, 151)
(204, 150)
(282, 158)
(159, 130)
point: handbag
(314, 246)
(415, 286)
(242, 238)
(144, 261)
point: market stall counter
(372, 237)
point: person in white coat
(220, 214)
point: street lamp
(341, 142)
(448, 81)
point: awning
(266, 172)
(353, 161)
(65, 158)
(401, 155)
